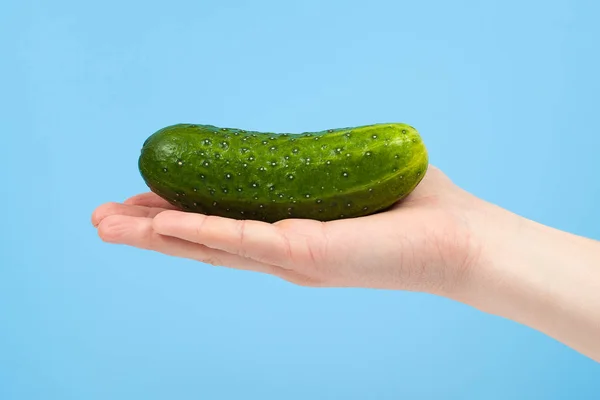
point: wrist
(541, 277)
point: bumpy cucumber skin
(327, 175)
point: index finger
(149, 199)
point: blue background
(505, 94)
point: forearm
(544, 278)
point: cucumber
(326, 175)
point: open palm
(423, 243)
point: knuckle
(241, 232)
(199, 229)
(303, 280)
(210, 259)
(286, 246)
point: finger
(138, 232)
(150, 199)
(261, 241)
(109, 209)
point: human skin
(440, 240)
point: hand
(439, 240)
(424, 243)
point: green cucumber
(326, 175)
